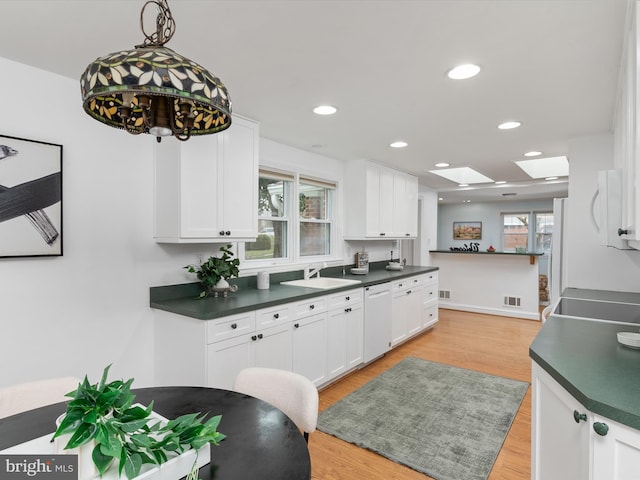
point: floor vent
(510, 301)
(445, 295)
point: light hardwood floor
(485, 343)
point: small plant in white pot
(104, 416)
(214, 273)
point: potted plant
(104, 415)
(213, 273)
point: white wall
(591, 265)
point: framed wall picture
(30, 198)
(467, 230)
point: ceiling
(551, 64)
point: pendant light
(152, 89)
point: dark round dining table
(262, 442)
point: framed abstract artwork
(30, 198)
(467, 230)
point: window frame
(294, 257)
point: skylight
(545, 167)
(462, 175)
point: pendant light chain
(165, 24)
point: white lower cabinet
(570, 442)
(406, 308)
(321, 338)
(345, 332)
(309, 347)
(430, 300)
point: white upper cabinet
(627, 142)
(206, 188)
(380, 202)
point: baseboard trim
(491, 311)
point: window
(291, 231)
(316, 212)
(515, 231)
(274, 192)
(544, 230)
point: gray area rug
(447, 422)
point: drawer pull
(347, 298)
(221, 232)
(260, 336)
(254, 338)
(227, 233)
(312, 306)
(297, 325)
(399, 285)
(276, 315)
(347, 310)
(234, 326)
(577, 416)
(408, 292)
(601, 428)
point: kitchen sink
(322, 283)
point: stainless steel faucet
(308, 272)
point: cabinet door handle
(347, 298)
(408, 234)
(347, 310)
(234, 326)
(601, 428)
(260, 336)
(276, 315)
(312, 306)
(577, 416)
(227, 233)
(297, 325)
(623, 231)
(382, 234)
(399, 285)
(254, 338)
(408, 292)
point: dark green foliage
(105, 413)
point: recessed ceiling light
(551, 178)
(462, 72)
(463, 185)
(509, 125)
(466, 201)
(500, 182)
(398, 144)
(442, 164)
(533, 153)
(325, 110)
(440, 198)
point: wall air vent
(444, 295)
(511, 301)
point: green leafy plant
(122, 432)
(215, 268)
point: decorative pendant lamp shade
(152, 89)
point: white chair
(27, 396)
(546, 312)
(292, 393)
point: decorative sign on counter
(472, 247)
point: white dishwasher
(377, 320)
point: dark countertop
(464, 252)
(182, 299)
(584, 356)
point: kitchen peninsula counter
(182, 299)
